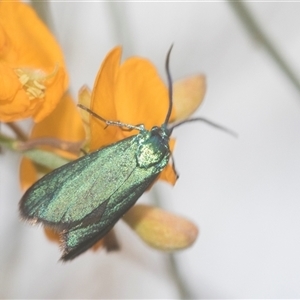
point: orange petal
(52, 235)
(168, 174)
(13, 100)
(11, 110)
(9, 83)
(27, 44)
(160, 229)
(63, 123)
(141, 97)
(28, 173)
(56, 86)
(84, 98)
(132, 93)
(24, 32)
(188, 94)
(102, 102)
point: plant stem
(184, 292)
(257, 33)
(17, 130)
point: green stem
(46, 158)
(43, 158)
(256, 33)
(7, 142)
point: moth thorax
(154, 149)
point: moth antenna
(231, 132)
(91, 112)
(170, 86)
(111, 123)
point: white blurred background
(244, 194)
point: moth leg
(140, 126)
(83, 151)
(110, 241)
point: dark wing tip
(24, 211)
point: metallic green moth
(83, 199)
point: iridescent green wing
(78, 239)
(85, 198)
(76, 191)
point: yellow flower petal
(160, 229)
(188, 94)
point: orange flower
(32, 68)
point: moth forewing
(85, 198)
(69, 193)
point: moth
(83, 200)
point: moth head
(154, 148)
